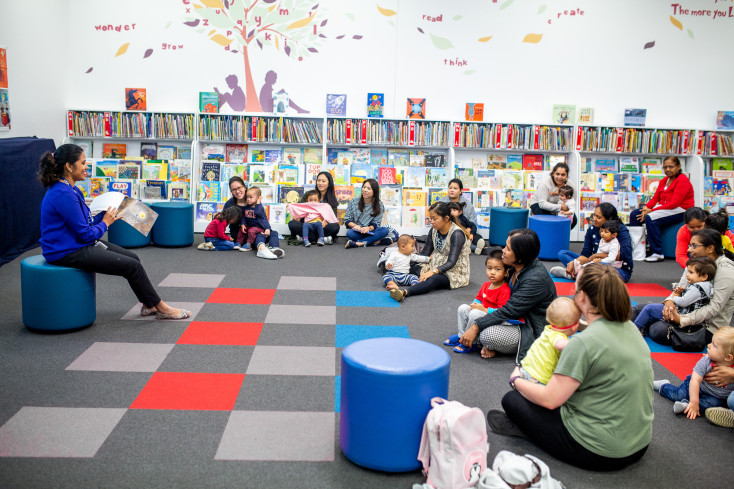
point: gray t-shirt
(702, 368)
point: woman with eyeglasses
(238, 188)
(666, 208)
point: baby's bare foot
(487, 353)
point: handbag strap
(530, 483)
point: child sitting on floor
(314, 214)
(565, 195)
(700, 271)
(215, 235)
(694, 396)
(256, 228)
(540, 362)
(608, 251)
(493, 295)
(457, 211)
(398, 265)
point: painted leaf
(169, 24)
(533, 38)
(259, 44)
(469, 72)
(315, 7)
(211, 32)
(649, 45)
(542, 9)
(340, 37)
(123, 49)
(249, 34)
(221, 40)
(506, 4)
(323, 23)
(268, 1)
(287, 50)
(386, 11)
(192, 23)
(148, 52)
(226, 4)
(484, 39)
(89, 70)
(312, 50)
(690, 33)
(357, 37)
(213, 4)
(321, 35)
(197, 6)
(349, 16)
(272, 7)
(420, 30)
(300, 23)
(457, 17)
(234, 51)
(277, 43)
(676, 22)
(441, 42)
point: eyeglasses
(694, 245)
(237, 189)
(669, 167)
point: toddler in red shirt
(215, 235)
(492, 295)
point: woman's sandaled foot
(465, 349)
(144, 311)
(174, 314)
(452, 340)
(487, 353)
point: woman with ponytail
(70, 237)
(596, 410)
(448, 248)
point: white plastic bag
(639, 242)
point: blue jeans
(653, 228)
(649, 314)
(377, 235)
(680, 393)
(220, 244)
(271, 241)
(309, 227)
(730, 401)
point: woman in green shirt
(596, 411)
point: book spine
(457, 134)
(411, 133)
(536, 136)
(620, 136)
(71, 122)
(106, 124)
(363, 135)
(713, 149)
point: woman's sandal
(182, 314)
(452, 340)
(144, 311)
(464, 349)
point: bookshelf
(716, 148)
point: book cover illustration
(205, 211)
(132, 211)
(280, 102)
(166, 152)
(414, 177)
(210, 171)
(344, 194)
(332, 155)
(286, 175)
(183, 152)
(392, 216)
(468, 196)
(586, 164)
(135, 99)
(437, 160)
(339, 173)
(391, 195)
(336, 104)
(514, 162)
(125, 187)
(398, 158)
(711, 204)
(275, 156)
(414, 197)
(106, 169)
(466, 175)
(483, 222)
(212, 151)
(532, 162)
(312, 172)
(360, 155)
(313, 156)
(149, 151)
(178, 191)
(553, 160)
(512, 180)
(436, 194)
(416, 160)
(564, 114)
(635, 117)
(721, 164)
(652, 166)
(375, 104)
(628, 201)
(289, 194)
(479, 164)
(622, 182)
(723, 174)
(606, 182)
(636, 182)
(589, 202)
(128, 171)
(278, 214)
(722, 186)
(585, 115)
(532, 180)
(267, 193)
(485, 199)
(378, 157)
(386, 175)
(208, 192)
(156, 189)
(209, 102)
(587, 182)
(650, 183)
(413, 217)
(436, 177)
(610, 198)
(629, 164)
(260, 174)
(291, 156)
(236, 153)
(416, 108)
(361, 172)
(345, 158)
(257, 156)
(514, 198)
(474, 112)
(87, 146)
(230, 170)
(496, 161)
(114, 150)
(155, 170)
(725, 120)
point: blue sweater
(65, 222)
(254, 216)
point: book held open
(132, 211)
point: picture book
(210, 171)
(650, 183)
(564, 114)
(391, 195)
(230, 170)
(721, 163)
(416, 108)
(484, 178)
(257, 156)
(87, 146)
(622, 182)
(379, 157)
(205, 211)
(278, 214)
(514, 162)
(604, 165)
(437, 160)
(135, 99)
(515, 198)
(723, 186)
(635, 182)
(125, 187)
(332, 155)
(628, 201)
(708, 185)
(260, 174)
(399, 174)
(208, 192)
(474, 112)
(236, 153)
(392, 216)
(375, 104)
(288, 194)
(212, 151)
(466, 175)
(274, 156)
(106, 168)
(397, 157)
(532, 162)
(587, 182)
(155, 190)
(166, 152)
(155, 170)
(485, 198)
(553, 160)
(267, 192)
(291, 156)
(417, 160)
(209, 102)
(436, 177)
(361, 155)
(114, 150)
(652, 166)
(345, 158)
(413, 217)
(468, 196)
(339, 173)
(312, 171)
(629, 164)
(280, 102)
(149, 151)
(344, 194)
(178, 191)
(611, 198)
(436, 194)
(635, 117)
(511, 180)
(479, 164)
(483, 223)
(313, 156)
(496, 161)
(589, 202)
(606, 182)
(414, 197)
(183, 152)
(532, 180)
(361, 172)
(586, 164)
(286, 175)
(386, 175)
(336, 104)
(711, 204)
(585, 115)
(722, 174)
(414, 177)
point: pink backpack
(454, 445)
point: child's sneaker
(679, 406)
(720, 416)
(480, 246)
(321, 242)
(246, 247)
(328, 240)
(206, 246)
(237, 246)
(657, 384)
(264, 252)
(306, 243)
(279, 253)
(299, 239)
(559, 272)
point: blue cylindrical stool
(175, 224)
(669, 236)
(554, 233)
(123, 234)
(502, 220)
(386, 390)
(56, 298)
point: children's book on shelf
(652, 166)
(84, 186)
(280, 102)
(288, 194)
(723, 174)
(205, 211)
(413, 217)
(345, 158)
(532, 162)
(437, 160)
(585, 115)
(587, 182)
(564, 114)
(622, 182)
(416, 108)
(628, 201)
(468, 195)
(708, 185)
(414, 177)
(267, 192)
(485, 198)
(213, 151)
(230, 170)
(605, 182)
(278, 214)
(532, 180)
(149, 151)
(635, 117)
(183, 152)
(155, 170)
(586, 164)
(105, 168)
(414, 197)
(466, 175)
(514, 162)
(114, 150)
(257, 156)
(375, 104)
(166, 152)
(386, 175)
(87, 146)
(126, 187)
(311, 173)
(725, 120)
(391, 195)
(436, 194)
(260, 174)
(723, 186)
(135, 99)
(339, 173)
(721, 164)
(236, 153)
(397, 157)
(208, 192)
(210, 171)
(483, 223)
(291, 156)
(379, 157)
(496, 161)
(344, 194)
(336, 104)
(286, 175)
(332, 155)
(436, 177)
(629, 164)
(650, 183)
(361, 155)
(515, 198)
(512, 180)
(178, 191)
(128, 171)
(209, 102)
(313, 156)
(361, 172)
(391, 216)
(474, 112)
(553, 160)
(275, 156)
(590, 201)
(636, 182)
(484, 178)
(416, 160)
(479, 164)
(156, 190)
(605, 165)
(611, 198)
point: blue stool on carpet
(669, 236)
(554, 233)
(175, 224)
(502, 220)
(56, 299)
(123, 234)
(386, 390)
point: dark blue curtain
(20, 195)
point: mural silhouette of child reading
(236, 99)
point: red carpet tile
(565, 288)
(647, 290)
(680, 364)
(190, 391)
(220, 333)
(241, 296)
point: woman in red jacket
(673, 196)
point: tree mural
(291, 27)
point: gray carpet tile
(207, 358)
(304, 297)
(286, 393)
(122, 357)
(297, 335)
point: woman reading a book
(602, 213)
(671, 199)
(545, 200)
(70, 237)
(327, 195)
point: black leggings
(296, 229)
(114, 260)
(537, 211)
(439, 281)
(658, 331)
(545, 428)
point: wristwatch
(512, 381)
(435, 271)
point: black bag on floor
(689, 338)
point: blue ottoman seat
(56, 299)
(502, 220)
(554, 233)
(123, 234)
(669, 237)
(175, 224)
(386, 390)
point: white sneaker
(279, 253)
(679, 406)
(654, 258)
(299, 239)
(720, 416)
(202, 246)
(657, 384)
(480, 246)
(266, 253)
(559, 272)
(328, 240)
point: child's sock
(657, 384)
(679, 406)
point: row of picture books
(148, 150)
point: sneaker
(306, 243)
(277, 252)
(237, 246)
(654, 258)
(657, 384)
(480, 246)
(321, 241)
(328, 240)
(720, 416)
(266, 253)
(397, 294)
(501, 424)
(679, 406)
(350, 244)
(246, 247)
(559, 272)
(205, 246)
(299, 238)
